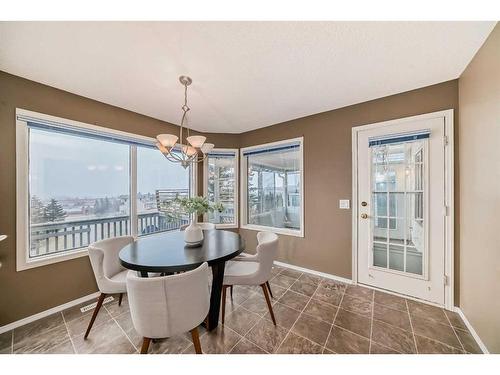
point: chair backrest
(104, 260)
(168, 305)
(267, 250)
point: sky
(69, 166)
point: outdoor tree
(54, 211)
(36, 210)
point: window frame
(236, 186)
(23, 260)
(244, 189)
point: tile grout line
(429, 338)
(286, 290)
(260, 318)
(301, 312)
(411, 325)
(263, 316)
(120, 327)
(12, 343)
(298, 317)
(334, 319)
(69, 334)
(243, 337)
(455, 332)
(371, 323)
(257, 322)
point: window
(158, 180)
(419, 186)
(220, 186)
(384, 182)
(272, 187)
(79, 191)
(74, 183)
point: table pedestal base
(215, 296)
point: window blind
(267, 150)
(398, 138)
(62, 128)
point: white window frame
(244, 189)
(236, 185)
(23, 261)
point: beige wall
(479, 129)
(326, 246)
(29, 292)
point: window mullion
(133, 191)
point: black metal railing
(51, 238)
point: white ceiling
(246, 75)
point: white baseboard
(472, 330)
(404, 296)
(43, 314)
(348, 281)
(313, 272)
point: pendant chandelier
(192, 151)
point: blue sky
(68, 166)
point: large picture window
(74, 186)
(158, 180)
(220, 186)
(272, 187)
(78, 191)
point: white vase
(193, 235)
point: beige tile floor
(314, 315)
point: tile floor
(314, 315)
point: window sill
(284, 231)
(226, 226)
(23, 264)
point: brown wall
(479, 129)
(326, 246)
(28, 292)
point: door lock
(364, 204)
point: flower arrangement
(193, 205)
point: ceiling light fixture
(189, 152)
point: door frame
(448, 210)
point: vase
(193, 234)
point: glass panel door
(398, 195)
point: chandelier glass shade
(193, 148)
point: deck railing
(50, 238)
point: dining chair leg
(145, 345)
(268, 300)
(94, 315)
(269, 288)
(231, 290)
(196, 340)
(224, 302)
(121, 297)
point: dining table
(167, 253)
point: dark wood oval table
(166, 253)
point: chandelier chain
(187, 154)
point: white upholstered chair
(253, 269)
(108, 272)
(168, 305)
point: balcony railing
(50, 238)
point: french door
(401, 207)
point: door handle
(364, 216)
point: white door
(401, 208)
